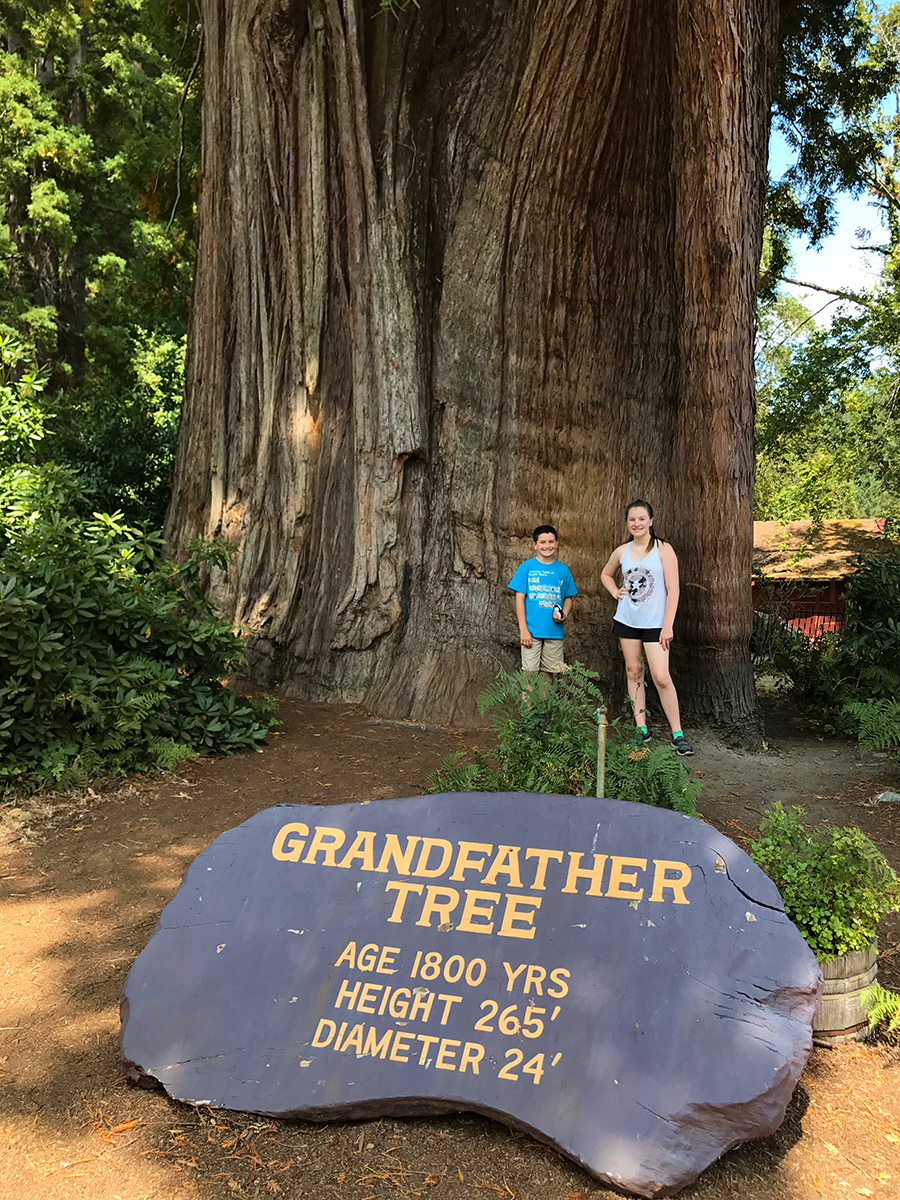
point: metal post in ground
(601, 750)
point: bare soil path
(83, 881)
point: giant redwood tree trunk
(463, 270)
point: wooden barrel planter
(840, 1016)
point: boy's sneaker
(641, 739)
(682, 746)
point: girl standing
(648, 600)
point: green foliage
(21, 414)
(828, 425)
(851, 679)
(834, 882)
(547, 742)
(877, 722)
(98, 165)
(828, 428)
(650, 775)
(110, 655)
(837, 64)
(880, 1004)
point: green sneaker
(641, 739)
(682, 746)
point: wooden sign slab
(617, 979)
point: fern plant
(547, 742)
(880, 1004)
(875, 720)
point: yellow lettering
(401, 1042)
(325, 840)
(543, 857)
(289, 851)
(676, 886)
(465, 863)
(399, 1007)
(363, 848)
(403, 890)
(472, 909)
(367, 997)
(429, 844)
(561, 985)
(367, 957)
(421, 1005)
(348, 954)
(506, 862)
(512, 975)
(347, 993)
(438, 900)
(446, 1049)
(427, 1040)
(323, 1027)
(620, 880)
(354, 1040)
(449, 1001)
(374, 1048)
(386, 961)
(472, 1055)
(594, 874)
(536, 976)
(512, 913)
(391, 853)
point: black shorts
(636, 635)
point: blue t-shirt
(543, 585)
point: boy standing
(544, 589)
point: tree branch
(181, 104)
(841, 294)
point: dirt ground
(84, 879)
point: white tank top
(644, 604)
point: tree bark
(462, 271)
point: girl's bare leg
(658, 662)
(632, 651)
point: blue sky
(836, 263)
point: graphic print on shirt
(639, 583)
(544, 594)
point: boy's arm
(567, 606)
(525, 638)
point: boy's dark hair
(544, 529)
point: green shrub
(834, 882)
(547, 742)
(112, 658)
(850, 679)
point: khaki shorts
(544, 654)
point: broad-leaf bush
(111, 657)
(547, 742)
(835, 883)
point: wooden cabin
(800, 573)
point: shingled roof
(793, 550)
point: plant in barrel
(836, 885)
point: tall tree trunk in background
(463, 271)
